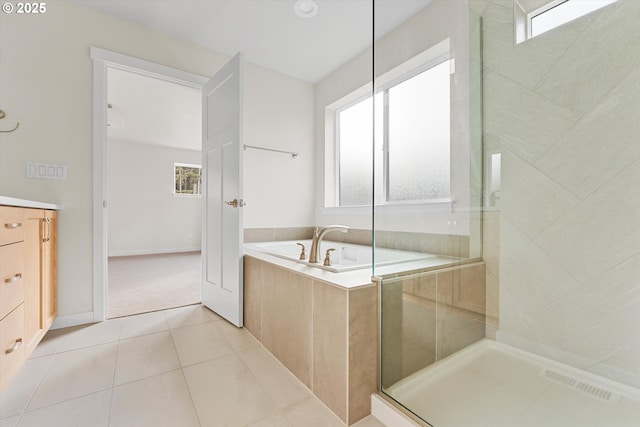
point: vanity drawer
(11, 225)
(11, 345)
(12, 280)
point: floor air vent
(583, 387)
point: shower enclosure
(529, 148)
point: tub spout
(318, 234)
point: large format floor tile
(75, 374)
(161, 400)
(184, 367)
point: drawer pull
(13, 278)
(13, 225)
(16, 345)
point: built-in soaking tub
(344, 257)
(321, 322)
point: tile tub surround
(326, 335)
(440, 244)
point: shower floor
(492, 385)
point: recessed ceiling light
(305, 8)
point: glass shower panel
(536, 315)
(431, 202)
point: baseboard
(73, 320)
(154, 251)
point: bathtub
(346, 257)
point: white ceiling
(267, 32)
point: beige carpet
(139, 284)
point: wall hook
(2, 116)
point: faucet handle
(303, 255)
(327, 256)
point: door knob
(235, 203)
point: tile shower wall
(563, 109)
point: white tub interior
(345, 257)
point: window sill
(445, 206)
(187, 196)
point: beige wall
(46, 84)
(563, 109)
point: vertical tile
(330, 342)
(392, 331)
(363, 350)
(469, 288)
(286, 320)
(253, 283)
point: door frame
(103, 60)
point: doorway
(154, 139)
(149, 237)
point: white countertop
(22, 203)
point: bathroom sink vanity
(28, 279)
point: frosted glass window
(412, 142)
(564, 12)
(419, 162)
(355, 140)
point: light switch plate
(46, 171)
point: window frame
(188, 165)
(525, 11)
(389, 83)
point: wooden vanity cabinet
(28, 283)
(13, 277)
(41, 287)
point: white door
(222, 235)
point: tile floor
(179, 367)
